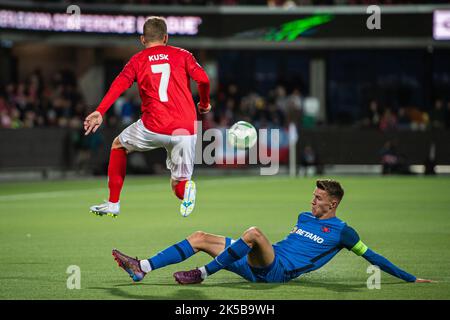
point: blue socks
(183, 250)
(232, 253)
(174, 254)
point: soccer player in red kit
(168, 117)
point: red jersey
(163, 75)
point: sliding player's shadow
(25, 262)
(243, 285)
(184, 294)
(34, 278)
(339, 287)
(330, 286)
(302, 283)
(194, 294)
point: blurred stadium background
(360, 100)
(349, 101)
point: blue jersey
(313, 242)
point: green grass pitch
(46, 227)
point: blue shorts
(275, 272)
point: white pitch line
(57, 194)
(45, 195)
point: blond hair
(155, 28)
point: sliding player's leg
(198, 241)
(253, 249)
(262, 253)
(116, 176)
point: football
(242, 135)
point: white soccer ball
(242, 135)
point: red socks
(179, 189)
(116, 173)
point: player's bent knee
(199, 235)
(252, 234)
(197, 239)
(254, 231)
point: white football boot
(188, 203)
(107, 208)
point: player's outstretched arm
(350, 240)
(92, 122)
(385, 265)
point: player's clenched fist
(92, 122)
(203, 109)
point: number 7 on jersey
(164, 69)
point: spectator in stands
(437, 115)
(373, 116)
(125, 110)
(230, 109)
(5, 118)
(233, 92)
(403, 121)
(35, 103)
(269, 111)
(16, 123)
(430, 161)
(447, 115)
(29, 119)
(309, 162)
(392, 161)
(295, 100)
(229, 100)
(389, 158)
(281, 99)
(20, 97)
(388, 121)
(419, 119)
(294, 107)
(252, 108)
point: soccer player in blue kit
(316, 238)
